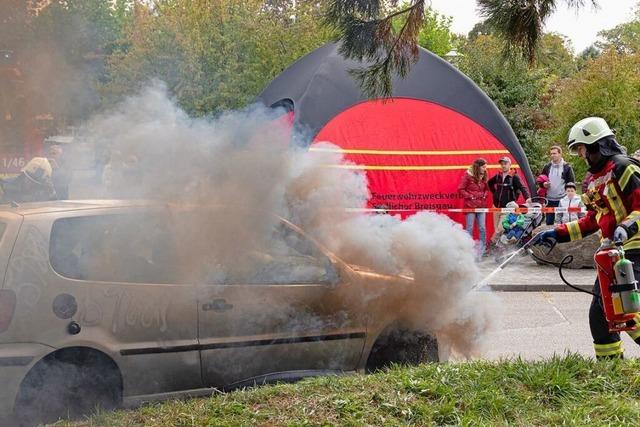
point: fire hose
(619, 291)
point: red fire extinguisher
(618, 287)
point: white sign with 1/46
(11, 165)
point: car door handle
(217, 305)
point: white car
(92, 312)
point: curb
(538, 288)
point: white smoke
(243, 161)
(432, 248)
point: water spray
(481, 284)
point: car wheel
(57, 388)
(402, 347)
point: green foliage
(435, 34)
(79, 27)
(521, 23)
(517, 90)
(624, 38)
(213, 55)
(482, 28)
(589, 53)
(520, 91)
(608, 87)
(568, 390)
(62, 50)
(555, 56)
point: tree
(435, 34)
(213, 54)
(608, 87)
(515, 88)
(555, 54)
(482, 28)
(521, 22)
(589, 53)
(367, 33)
(624, 38)
(63, 54)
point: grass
(569, 390)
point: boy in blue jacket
(513, 225)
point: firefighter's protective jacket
(612, 198)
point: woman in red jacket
(474, 190)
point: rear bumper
(15, 361)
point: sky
(581, 28)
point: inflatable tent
(415, 146)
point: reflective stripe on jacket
(612, 198)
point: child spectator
(570, 200)
(542, 189)
(513, 225)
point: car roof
(57, 206)
(60, 206)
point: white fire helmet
(38, 169)
(587, 131)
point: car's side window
(288, 257)
(113, 248)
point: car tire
(402, 347)
(57, 388)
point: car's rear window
(112, 248)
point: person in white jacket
(570, 200)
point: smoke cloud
(240, 169)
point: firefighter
(32, 185)
(613, 202)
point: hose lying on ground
(565, 261)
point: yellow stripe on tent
(410, 168)
(404, 152)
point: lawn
(569, 390)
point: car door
(115, 266)
(288, 315)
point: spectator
(559, 173)
(636, 155)
(541, 180)
(570, 200)
(474, 191)
(60, 175)
(506, 187)
(513, 225)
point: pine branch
(521, 22)
(365, 36)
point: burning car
(104, 304)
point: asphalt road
(537, 325)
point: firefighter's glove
(546, 238)
(620, 234)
